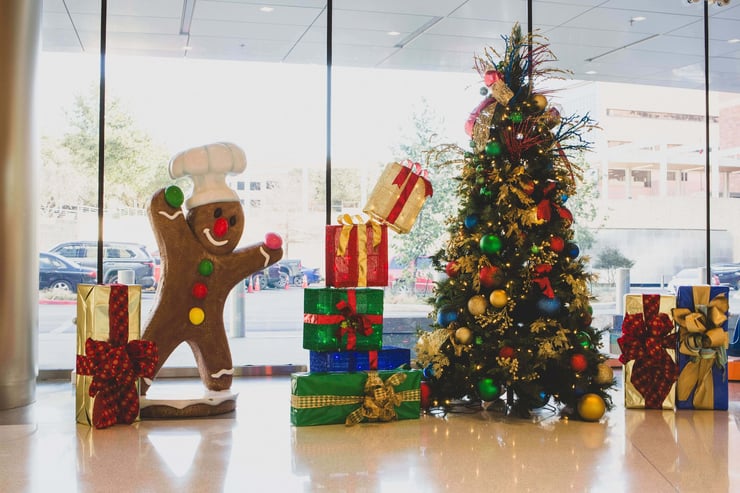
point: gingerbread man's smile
(211, 239)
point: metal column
(19, 43)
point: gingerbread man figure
(200, 262)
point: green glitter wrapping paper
(347, 389)
(342, 319)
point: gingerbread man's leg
(216, 370)
(165, 345)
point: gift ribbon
(115, 366)
(545, 206)
(543, 281)
(702, 336)
(645, 338)
(357, 223)
(406, 179)
(350, 321)
(380, 400)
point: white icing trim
(223, 372)
(170, 216)
(213, 241)
(148, 381)
(266, 255)
(208, 397)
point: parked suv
(116, 256)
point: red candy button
(200, 290)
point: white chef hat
(208, 166)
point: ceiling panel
(443, 35)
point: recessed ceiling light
(591, 72)
(187, 48)
(267, 9)
(638, 18)
(394, 33)
(733, 40)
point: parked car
(116, 256)
(58, 273)
(312, 275)
(279, 275)
(728, 274)
(690, 277)
(425, 276)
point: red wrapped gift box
(356, 254)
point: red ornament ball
(578, 362)
(506, 352)
(557, 244)
(452, 269)
(273, 241)
(528, 187)
(490, 276)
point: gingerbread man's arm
(166, 215)
(253, 258)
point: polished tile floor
(256, 449)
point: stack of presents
(352, 378)
(674, 349)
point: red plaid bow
(645, 338)
(116, 365)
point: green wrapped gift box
(338, 319)
(332, 398)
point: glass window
(402, 83)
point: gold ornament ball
(464, 335)
(477, 305)
(539, 102)
(591, 407)
(499, 298)
(604, 374)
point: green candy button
(205, 267)
(174, 196)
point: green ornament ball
(490, 244)
(535, 249)
(493, 148)
(485, 192)
(516, 117)
(584, 340)
(488, 390)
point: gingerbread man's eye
(232, 221)
(217, 213)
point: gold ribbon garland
(348, 222)
(702, 336)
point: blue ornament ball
(564, 198)
(548, 306)
(428, 372)
(471, 221)
(446, 317)
(572, 250)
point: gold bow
(380, 401)
(702, 336)
(348, 222)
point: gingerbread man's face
(217, 226)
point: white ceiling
(666, 48)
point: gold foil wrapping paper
(93, 322)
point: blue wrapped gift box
(388, 358)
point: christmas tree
(513, 317)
